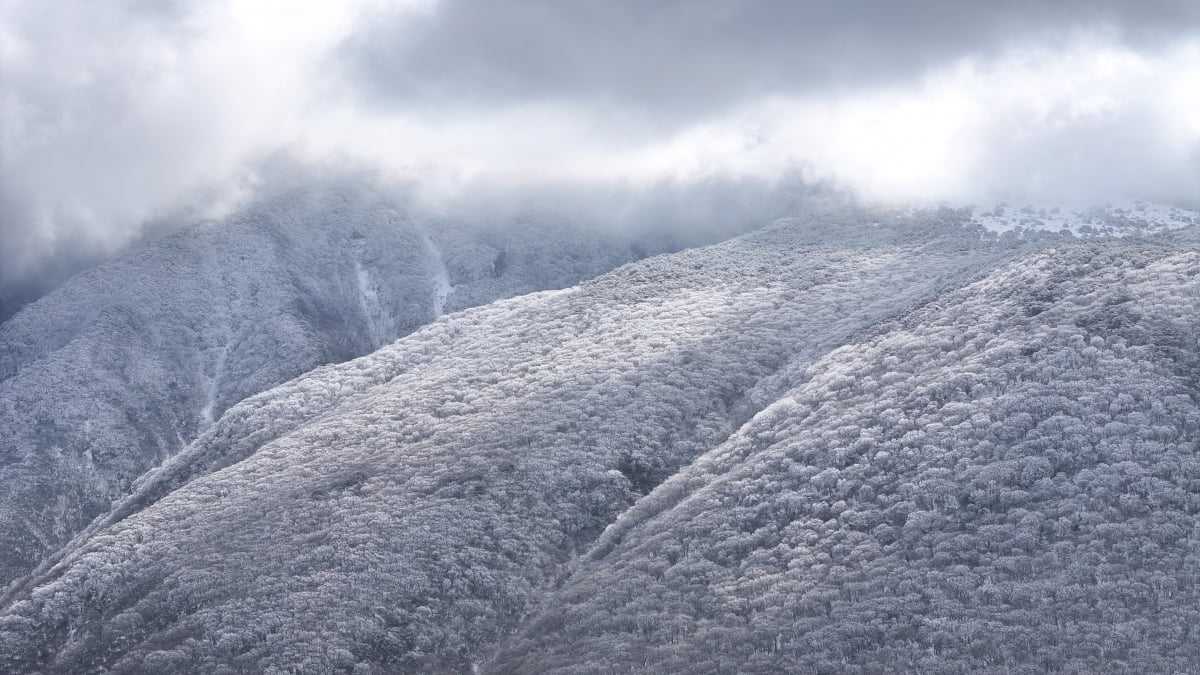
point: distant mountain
(119, 369)
(1122, 219)
(864, 442)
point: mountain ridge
(840, 272)
(124, 365)
(489, 492)
(631, 605)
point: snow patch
(1121, 219)
(442, 288)
(372, 309)
(214, 387)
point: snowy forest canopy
(861, 440)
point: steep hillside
(408, 509)
(118, 370)
(1007, 482)
(874, 444)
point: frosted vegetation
(1007, 481)
(870, 442)
(1134, 218)
(121, 368)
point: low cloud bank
(122, 120)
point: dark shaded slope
(106, 377)
(406, 510)
(1009, 482)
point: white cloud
(114, 113)
(1091, 121)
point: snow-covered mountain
(1008, 480)
(863, 442)
(126, 364)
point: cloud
(687, 58)
(1087, 119)
(120, 115)
(1089, 123)
(114, 111)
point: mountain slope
(108, 376)
(1008, 482)
(407, 509)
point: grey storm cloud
(120, 120)
(689, 57)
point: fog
(121, 120)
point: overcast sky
(122, 111)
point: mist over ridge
(122, 121)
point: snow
(1119, 219)
(442, 288)
(130, 361)
(820, 387)
(368, 300)
(214, 387)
